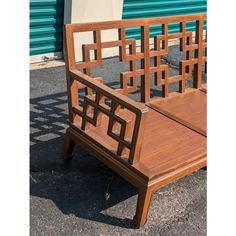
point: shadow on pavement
(78, 187)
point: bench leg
(68, 147)
(144, 199)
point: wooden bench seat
(153, 141)
(188, 109)
(167, 145)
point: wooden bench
(150, 142)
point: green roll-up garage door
(46, 20)
(155, 8)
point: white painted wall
(81, 11)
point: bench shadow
(76, 188)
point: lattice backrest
(128, 52)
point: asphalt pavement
(68, 200)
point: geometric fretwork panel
(121, 119)
(192, 43)
(119, 127)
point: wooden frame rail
(194, 52)
(151, 143)
(94, 107)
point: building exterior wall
(156, 8)
(81, 11)
(47, 17)
(46, 21)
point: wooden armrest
(118, 101)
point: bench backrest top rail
(104, 25)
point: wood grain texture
(149, 143)
(188, 109)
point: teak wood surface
(152, 142)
